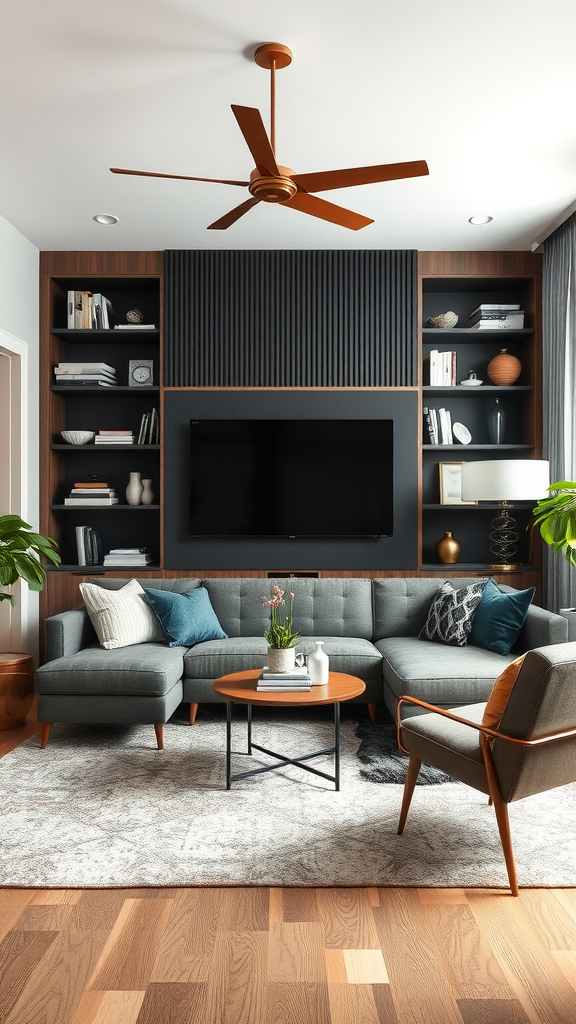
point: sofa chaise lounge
(369, 627)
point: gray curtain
(559, 365)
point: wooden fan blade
(183, 177)
(253, 130)
(327, 211)
(233, 216)
(322, 181)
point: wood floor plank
(98, 909)
(244, 909)
(335, 966)
(534, 977)
(88, 1007)
(296, 952)
(186, 947)
(236, 990)
(47, 917)
(491, 1011)
(565, 959)
(419, 986)
(20, 954)
(352, 1004)
(555, 926)
(347, 918)
(52, 897)
(12, 903)
(468, 961)
(128, 957)
(300, 905)
(384, 1004)
(365, 967)
(173, 1003)
(119, 1008)
(567, 899)
(304, 1003)
(373, 896)
(275, 904)
(442, 896)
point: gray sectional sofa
(369, 628)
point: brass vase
(448, 549)
(504, 369)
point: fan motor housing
(275, 189)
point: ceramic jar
(147, 495)
(448, 549)
(318, 665)
(504, 369)
(134, 489)
(281, 659)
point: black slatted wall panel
(289, 318)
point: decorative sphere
(135, 316)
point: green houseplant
(280, 635)
(20, 549)
(555, 517)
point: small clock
(141, 373)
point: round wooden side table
(16, 689)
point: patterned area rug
(100, 807)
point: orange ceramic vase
(504, 369)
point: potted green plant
(556, 519)
(280, 635)
(19, 551)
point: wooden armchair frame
(500, 807)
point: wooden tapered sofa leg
(45, 734)
(372, 708)
(413, 769)
(193, 713)
(159, 730)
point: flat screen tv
(291, 478)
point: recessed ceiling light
(482, 219)
(105, 218)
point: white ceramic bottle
(147, 493)
(318, 665)
(134, 489)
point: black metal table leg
(249, 719)
(337, 745)
(228, 741)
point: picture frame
(451, 484)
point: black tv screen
(291, 478)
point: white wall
(19, 308)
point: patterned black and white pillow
(451, 614)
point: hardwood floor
(285, 956)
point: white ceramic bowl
(77, 436)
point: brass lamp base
(502, 566)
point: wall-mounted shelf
(481, 390)
(474, 447)
(105, 508)
(68, 389)
(473, 334)
(75, 335)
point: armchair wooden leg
(372, 708)
(502, 818)
(45, 734)
(193, 713)
(413, 769)
(159, 730)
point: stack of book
(149, 432)
(91, 494)
(89, 311)
(128, 557)
(89, 546)
(134, 327)
(114, 437)
(497, 316)
(442, 369)
(297, 681)
(92, 374)
(437, 426)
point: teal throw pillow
(499, 618)
(187, 619)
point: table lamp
(505, 481)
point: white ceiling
(485, 92)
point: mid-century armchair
(531, 751)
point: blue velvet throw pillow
(499, 618)
(187, 619)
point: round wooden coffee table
(240, 688)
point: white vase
(134, 489)
(147, 495)
(281, 659)
(318, 664)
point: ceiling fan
(272, 183)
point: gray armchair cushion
(450, 746)
(142, 670)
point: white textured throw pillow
(121, 617)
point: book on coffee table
(283, 687)
(295, 673)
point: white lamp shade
(505, 480)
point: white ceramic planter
(281, 659)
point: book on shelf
(438, 426)
(83, 367)
(95, 492)
(91, 377)
(90, 485)
(67, 382)
(515, 323)
(494, 307)
(129, 551)
(87, 311)
(128, 560)
(445, 426)
(114, 437)
(134, 327)
(86, 500)
(149, 432)
(89, 546)
(441, 368)
(501, 317)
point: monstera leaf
(20, 551)
(556, 519)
